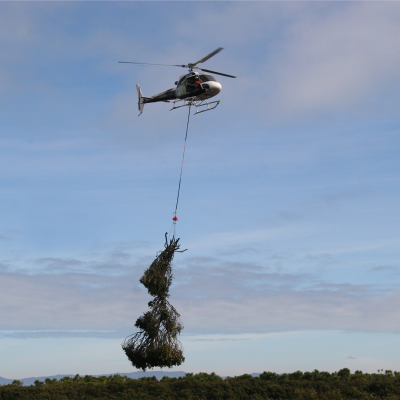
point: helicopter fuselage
(192, 85)
(191, 88)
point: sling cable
(175, 218)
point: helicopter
(193, 88)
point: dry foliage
(156, 344)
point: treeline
(269, 385)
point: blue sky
(290, 191)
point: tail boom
(168, 95)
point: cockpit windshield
(206, 78)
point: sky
(289, 204)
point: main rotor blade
(165, 65)
(215, 72)
(209, 56)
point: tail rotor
(140, 100)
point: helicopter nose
(213, 88)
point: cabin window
(191, 84)
(206, 78)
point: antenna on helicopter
(191, 66)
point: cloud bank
(75, 297)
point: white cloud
(308, 60)
(339, 58)
(72, 297)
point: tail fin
(141, 99)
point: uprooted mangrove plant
(156, 344)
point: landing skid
(199, 104)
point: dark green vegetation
(156, 344)
(298, 385)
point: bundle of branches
(156, 344)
